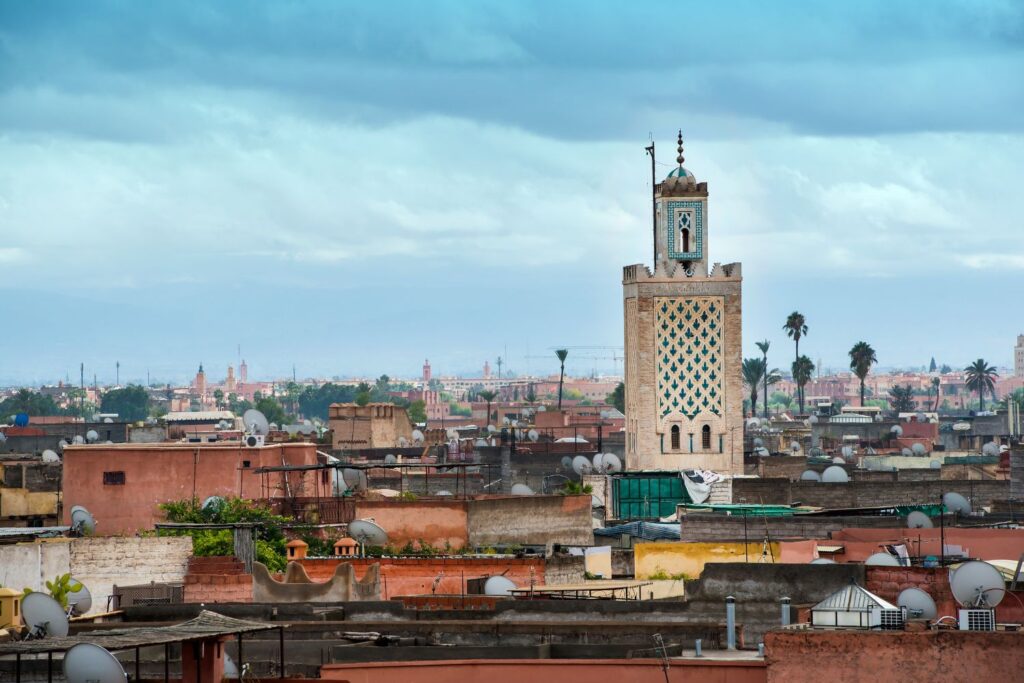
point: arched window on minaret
(705, 437)
(675, 437)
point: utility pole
(499, 364)
(117, 375)
(81, 379)
(654, 204)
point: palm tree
(795, 328)
(803, 370)
(488, 396)
(753, 373)
(561, 353)
(981, 377)
(763, 345)
(862, 357)
(935, 387)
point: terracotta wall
(217, 579)
(854, 656)
(887, 582)
(437, 522)
(158, 473)
(517, 671)
(416, 576)
(987, 544)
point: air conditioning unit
(891, 619)
(977, 620)
(254, 440)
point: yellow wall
(689, 558)
(20, 502)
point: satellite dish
(906, 452)
(813, 419)
(108, 420)
(794, 446)
(919, 605)
(498, 585)
(308, 423)
(417, 436)
(822, 560)
(810, 475)
(355, 479)
(3, 437)
(255, 422)
(612, 464)
(974, 584)
(847, 452)
(897, 430)
(835, 475)
(390, 459)
(990, 448)
(598, 463)
(21, 420)
(480, 443)
(919, 520)
(505, 421)
(491, 429)
(367, 532)
(79, 601)
(82, 521)
(43, 616)
(839, 461)
(92, 436)
(954, 502)
(882, 560)
(758, 443)
(532, 435)
(581, 465)
(212, 504)
(88, 663)
(566, 462)
(78, 440)
(921, 417)
(762, 451)
(521, 490)
(935, 465)
(50, 456)
(919, 449)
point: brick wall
(864, 493)
(217, 579)
(713, 527)
(888, 582)
(100, 563)
(531, 520)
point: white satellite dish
(82, 521)
(417, 436)
(532, 435)
(758, 443)
(50, 456)
(882, 560)
(390, 459)
(92, 436)
(566, 462)
(480, 443)
(935, 465)
(810, 475)
(839, 460)
(78, 439)
(88, 663)
(977, 584)
(847, 452)
(954, 502)
(367, 532)
(794, 446)
(597, 463)
(612, 464)
(80, 600)
(355, 479)
(43, 616)
(255, 422)
(505, 421)
(906, 452)
(835, 475)
(498, 585)
(897, 430)
(990, 448)
(521, 490)
(491, 429)
(822, 560)
(581, 465)
(919, 449)
(919, 520)
(919, 605)
(212, 504)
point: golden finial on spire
(679, 158)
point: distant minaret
(243, 372)
(487, 370)
(426, 371)
(229, 383)
(201, 381)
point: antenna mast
(654, 204)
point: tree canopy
(29, 402)
(130, 403)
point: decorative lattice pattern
(689, 348)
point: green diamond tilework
(689, 351)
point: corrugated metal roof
(33, 531)
(647, 531)
(852, 598)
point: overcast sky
(353, 187)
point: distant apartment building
(1018, 357)
(375, 425)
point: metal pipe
(167, 662)
(280, 641)
(730, 622)
(136, 664)
(785, 611)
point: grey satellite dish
(794, 446)
(847, 452)
(367, 532)
(3, 437)
(255, 422)
(921, 417)
(92, 436)
(521, 490)
(212, 504)
(919, 605)
(919, 520)
(88, 663)
(355, 479)
(417, 436)
(50, 456)
(390, 459)
(813, 419)
(338, 483)
(839, 461)
(566, 462)
(758, 443)
(79, 601)
(906, 452)
(882, 560)
(919, 449)
(108, 420)
(480, 443)
(598, 462)
(976, 584)
(810, 475)
(43, 616)
(835, 475)
(78, 440)
(990, 448)
(954, 502)
(822, 560)
(498, 585)
(581, 465)
(762, 451)
(82, 521)
(612, 464)
(935, 465)
(897, 430)
(505, 421)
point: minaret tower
(683, 340)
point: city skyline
(180, 179)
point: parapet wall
(533, 520)
(781, 491)
(714, 527)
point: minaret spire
(679, 149)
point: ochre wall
(854, 656)
(519, 670)
(690, 558)
(158, 473)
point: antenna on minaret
(654, 203)
(117, 375)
